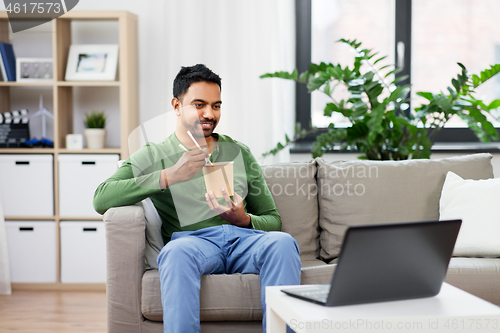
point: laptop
(387, 262)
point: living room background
(239, 40)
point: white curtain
(239, 40)
(4, 258)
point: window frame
(403, 32)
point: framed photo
(34, 69)
(92, 63)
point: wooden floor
(53, 311)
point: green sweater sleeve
(259, 201)
(132, 182)
(124, 189)
(261, 208)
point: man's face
(199, 108)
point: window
(370, 22)
(445, 32)
(436, 34)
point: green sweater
(182, 206)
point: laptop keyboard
(320, 295)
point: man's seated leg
(274, 255)
(181, 263)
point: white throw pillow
(477, 203)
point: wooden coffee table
(452, 310)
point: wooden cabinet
(64, 104)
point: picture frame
(87, 62)
(34, 69)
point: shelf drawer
(26, 184)
(83, 252)
(79, 176)
(32, 251)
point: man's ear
(177, 106)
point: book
(8, 61)
(3, 75)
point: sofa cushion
(478, 276)
(369, 192)
(233, 297)
(476, 203)
(293, 186)
(318, 274)
(222, 297)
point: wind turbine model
(43, 112)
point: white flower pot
(95, 137)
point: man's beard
(198, 131)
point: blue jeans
(225, 249)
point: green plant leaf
(390, 73)
(488, 73)
(315, 83)
(456, 85)
(400, 78)
(494, 104)
(379, 59)
(96, 119)
(379, 130)
(282, 75)
(427, 95)
(329, 109)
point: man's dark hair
(189, 75)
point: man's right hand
(186, 167)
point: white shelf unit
(63, 98)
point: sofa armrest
(125, 242)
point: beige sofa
(317, 201)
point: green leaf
(303, 77)
(315, 83)
(453, 93)
(329, 109)
(427, 95)
(379, 59)
(96, 119)
(360, 111)
(357, 131)
(282, 75)
(461, 102)
(327, 88)
(476, 81)
(494, 104)
(400, 78)
(488, 73)
(390, 73)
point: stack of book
(7, 62)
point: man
(203, 234)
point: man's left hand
(233, 213)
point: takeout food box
(217, 176)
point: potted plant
(95, 132)
(382, 127)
